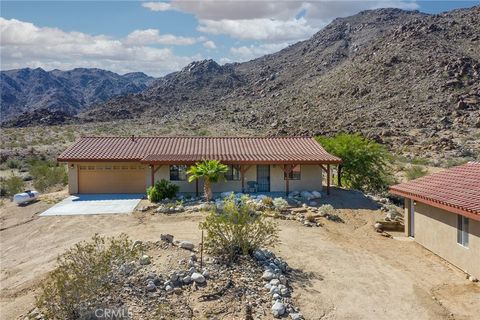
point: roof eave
(436, 204)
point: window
(233, 172)
(462, 231)
(178, 173)
(294, 174)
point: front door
(263, 178)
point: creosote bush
(46, 175)
(84, 272)
(237, 229)
(162, 189)
(11, 185)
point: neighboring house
(442, 213)
(131, 164)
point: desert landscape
(340, 270)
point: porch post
(339, 175)
(287, 169)
(152, 175)
(328, 179)
(196, 187)
(243, 170)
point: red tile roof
(456, 190)
(190, 149)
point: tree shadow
(348, 199)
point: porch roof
(185, 150)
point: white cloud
(259, 29)
(153, 36)
(268, 20)
(157, 6)
(209, 44)
(25, 45)
(245, 53)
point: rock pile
(275, 278)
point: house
(131, 164)
(442, 213)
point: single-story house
(442, 213)
(131, 164)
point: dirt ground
(344, 270)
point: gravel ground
(341, 270)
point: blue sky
(161, 37)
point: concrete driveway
(95, 204)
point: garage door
(111, 178)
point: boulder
(296, 316)
(186, 245)
(144, 260)
(198, 278)
(268, 275)
(316, 194)
(278, 309)
(166, 237)
(151, 286)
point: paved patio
(87, 204)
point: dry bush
(84, 273)
(310, 217)
(237, 230)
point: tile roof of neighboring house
(190, 149)
(456, 189)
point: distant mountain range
(29, 90)
(405, 78)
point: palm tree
(211, 171)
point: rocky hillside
(404, 78)
(65, 92)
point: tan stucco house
(131, 164)
(442, 213)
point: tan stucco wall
(72, 178)
(436, 230)
(310, 179)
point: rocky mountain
(405, 78)
(66, 92)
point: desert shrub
(11, 185)
(280, 204)
(415, 172)
(326, 209)
(162, 189)
(237, 230)
(310, 217)
(366, 164)
(83, 273)
(268, 202)
(46, 175)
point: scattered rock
(278, 309)
(198, 278)
(144, 260)
(166, 237)
(186, 245)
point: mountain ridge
(67, 92)
(404, 78)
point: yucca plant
(211, 171)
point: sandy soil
(343, 271)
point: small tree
(237, 230)
(366, 164)
(211, 171)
